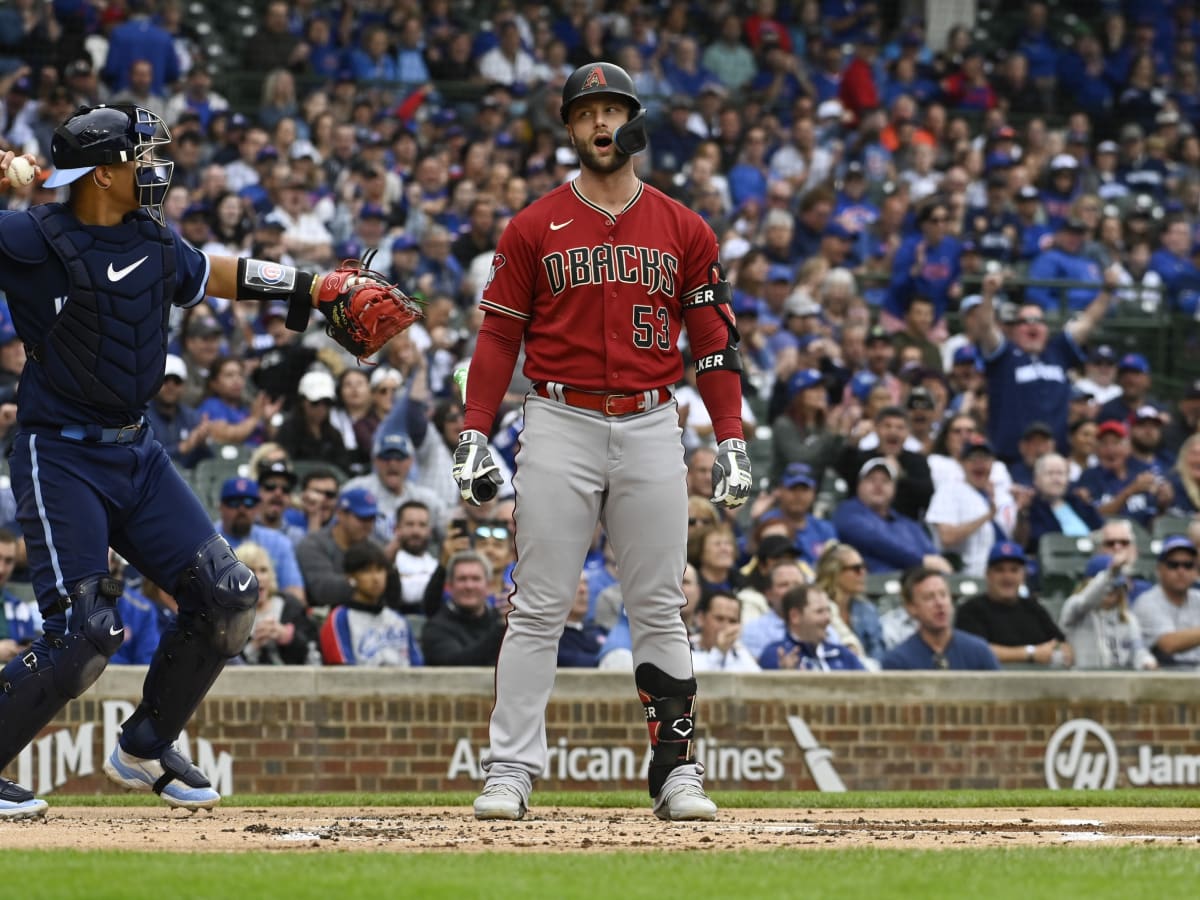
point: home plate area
(564, 829)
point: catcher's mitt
(362, 308)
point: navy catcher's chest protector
(108, 345)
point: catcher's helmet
(107, 135)
(607, 78)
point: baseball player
(597, 277)
(90, 286)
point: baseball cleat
(682, 799)
(499, 801)
(173, 778)
(18, 803)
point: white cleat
(500, 801)
(18, 803)
(173, 778)
(682, 799)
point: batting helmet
(607, 78)
(108, 135)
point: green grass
(730, 799)
(1065, 873)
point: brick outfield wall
(299, 729)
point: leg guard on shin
(217, 596)
(670, 704)
(59, 667)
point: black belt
(95, 434)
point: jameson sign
(1082, 755)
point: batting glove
(731, 474)
(476, 472)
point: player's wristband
(264, 280)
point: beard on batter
(591, 160)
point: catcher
(90, 284)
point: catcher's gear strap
(670, 705)
(263, 280)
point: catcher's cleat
(682, 798)
(18, 803)
(173, 778)
(500, 801)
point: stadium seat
(210, 474)
(1164, 527)
(1061, 561)
(964, 587)
(883, 584)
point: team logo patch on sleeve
(595, 79)
(498, 262)
(271, 273)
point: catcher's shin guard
(670, 704)
(59, 667)
(217, 596)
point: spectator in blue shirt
(1027, 373)
(1038, 45)
(239, 502)
(936, 644)
(1120, 485)
(1133, 378)
(1179, 274)
(146, 612)
(1064, 262)
(1081, 75)
(887, 540)
(138, 38)
(794, 500)
(1033, 234)
(181, 430)
(926, 265)
(806, 644)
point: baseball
(19, 171)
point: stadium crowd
(925, 244)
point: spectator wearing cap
(307, 433)
(1119, 485)
(892, 439)
(935, 644)
(1133, 378)
(388, 481)
(1034, 234)
(1061, 189)
(773, 547)
(853, 208)
(1016, 626)
(969, 87)
(1169, 613)
(793, 504)
(970, 516)
(1100, 374)
(276, 482)
(321, 554)
(1097, 620)
(803, 431)
(837, 246)
(1054, 510)
(182, 431)
(964, 374)
(1103, 178)
(1064, 261)
(924, 416)
(1173, 262)
(887, 540)
(926, 265)
(728, 57)
(240, 499)
(1146, 439)
(1027, 373)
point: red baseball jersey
(601, 296)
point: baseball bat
(484, 490)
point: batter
(597, 278)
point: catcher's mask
(109, 135)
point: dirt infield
(596, 830)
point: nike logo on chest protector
(116, 275)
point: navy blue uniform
(72, 493)
(1024, 389)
